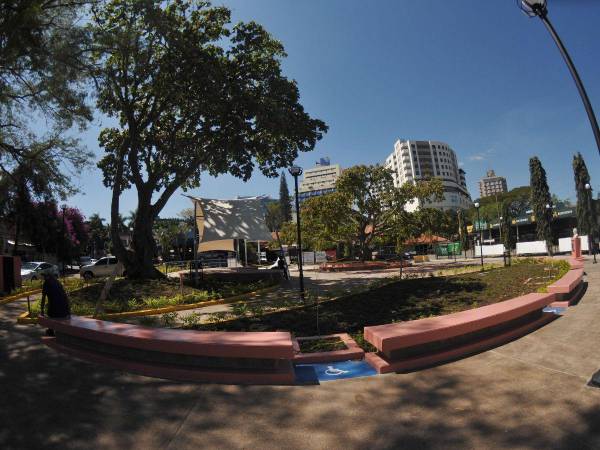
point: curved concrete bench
(367, 265)
(576, 263)
(567, 290)
(419, 343)
(188, 355)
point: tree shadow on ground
(406, 300)
(488, 401)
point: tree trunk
(141, 263)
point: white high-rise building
(419, 160)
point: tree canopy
(365, 208)
(43, 75)
(191, 93)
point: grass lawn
(405, 300)
(69, 284)
(132, 295)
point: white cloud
(482, 156)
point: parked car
(86, 261)
(31, 271)
(104, 267)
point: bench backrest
(567, 283)
(415, 332)
(227, 344)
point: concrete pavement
(528, 394)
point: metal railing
(191, 265)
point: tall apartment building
(412, 161)
(319, 180)
(492, 184)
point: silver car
(104, 267)
(31, 271)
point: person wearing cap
(58, 302)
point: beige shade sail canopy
(227, 245)
(223, 220)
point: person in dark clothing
(282, 266)
(58, 302)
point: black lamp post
(296, 171)
(549, 207)
(476, 204)
(537, 8)
(591, 243)
(64, 239)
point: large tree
(285, 202)
(541, 202)
(435, 222)
(489, 207)
(587, 222)
(366, 207)
(191, 94)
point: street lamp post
(591, 243)
(498, 213)
(549, 207)
(296, 171)
(537, 8)
(476, 204)
(64, 240)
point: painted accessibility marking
(315, 373)
(554, 309)
(334, 372)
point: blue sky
(478, 75)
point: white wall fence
(490, 250)
(532, 248)
(564, 244)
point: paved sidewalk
(529, 394)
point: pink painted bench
(568, 283)
(211, 356)
(567, 290)
(576, 263)
(410, 345)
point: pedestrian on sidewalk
(58, 302)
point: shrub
(190, 320)
(169, 319)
